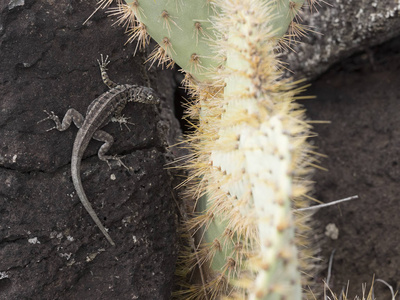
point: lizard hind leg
(72, 115)
(103, 63)
(108, 140)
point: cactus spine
(249, 150)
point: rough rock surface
(340, 29)
(362, 143)
(49, 246)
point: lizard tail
(76, 179)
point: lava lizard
(101, 111)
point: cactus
(185, 33)
(250, 157)
(256, 149)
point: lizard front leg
(103, 70)
(72, 115)
(120, 118)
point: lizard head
(145, 95)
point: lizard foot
(50, 116)
(103, 63)
(122, 120)
(118, 158)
